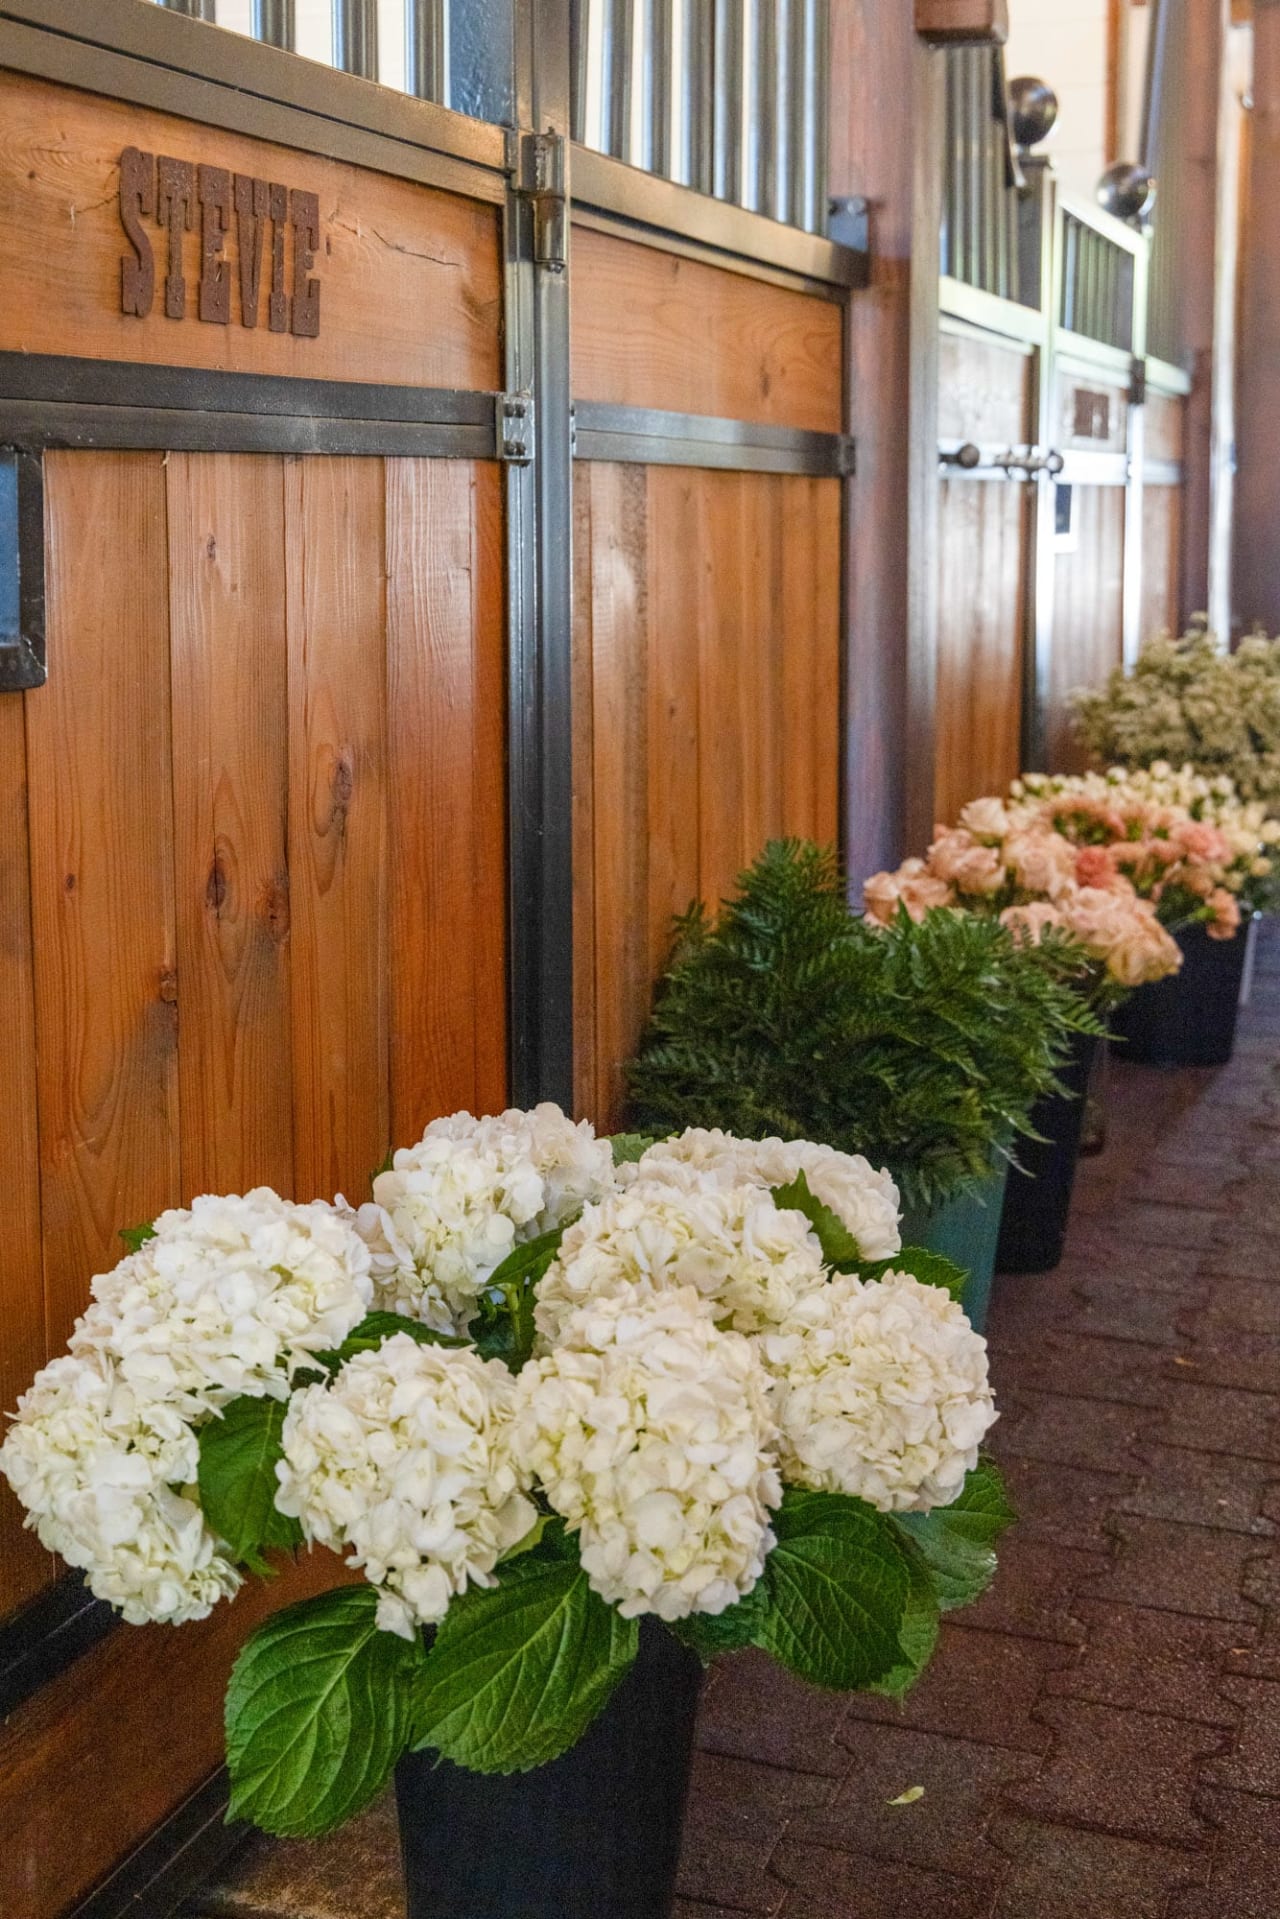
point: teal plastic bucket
(965, 1229)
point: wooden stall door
(252, 842)
(985, 392)
(707, 621)
(1088, 634)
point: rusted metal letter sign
(178, 196)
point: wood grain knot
(217, 886)
(273, 908)
(342, 786)
(168, 985)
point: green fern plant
(923, 1046)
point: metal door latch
(541, 176)
(514, 420)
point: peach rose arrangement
(1012, 860)
(1187, 843)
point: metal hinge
(1138, 383)
(514, 419)
(540, 173)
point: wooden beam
(963, 22)
(1204, 45)
(886, 145)
(1256, 586)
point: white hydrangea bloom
(751, 1261)
(452, 1207)
(105, 1477)
(404, 1459)
(861, 1195)
(650, 1432)
(880, 1391)
(229, 1297)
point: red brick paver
(1100, 1737)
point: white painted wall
(1065, 43)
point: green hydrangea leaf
(136, 1237)
(237, 1478)
(517, 1673)
(710, 1634)
(839, 1588)
(958, 1541)
(503, 1328)
(839, 1247)
(376, 1328)
(931, 1269)
(628, 1148)
(918, 1632)
(319, 1709)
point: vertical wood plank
(445, 772)
(230, 769)
(24, 1565)
(826, 506)
(620, 625)
(489, 802)
(722, 697)
(335, 545)
(585, 1083)
(99, 761)
(676, 520)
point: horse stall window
(726, 96)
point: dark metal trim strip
(178, 1857)
(135, 383)
(379, 128)
(651, 437)
(609, 186)
(47, 1636)
(36, 424)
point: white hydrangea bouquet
(543, 1386)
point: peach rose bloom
(1033, 920)
(1144, 951)
(1095, 866)
(986, 819)
(1225, 923)
(1041, 861)
(948, 850)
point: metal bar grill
(728, 97)
(193, 9)
(426, 49)
(984, 192)
(355, 37)
(275, 23)
(1097, 285)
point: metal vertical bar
(539, 576)
(355, 37)
(619, 77)
(662, 88)
(275, 23)
(426, 50)
(819, 116)
(973, 97)
(727, 109)
(193, 9)
(769, 108)
(699, 109)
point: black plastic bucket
(1037, 1200)
(593, 1835)
(1188, 1019)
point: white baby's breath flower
(863, 1197)
(404, 1460)
(452, 1208)
(108, 1482)
(881, 1392)
(651, 1434)
(229, 1298)
(747, 1258)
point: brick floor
(1101, 1735)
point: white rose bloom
(750, 1261)
(452, 1207)
(101, 1473)
(404, 1459)
(880, 1391)
(229, 1298)
(650, 1432)
(863, 1197)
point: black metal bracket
(22, 636)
